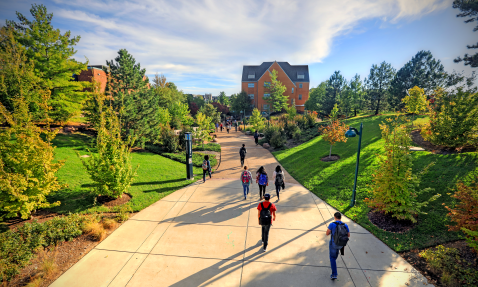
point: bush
(262, 141)
(182, 136)
(453, 270)
(290, 128)
(394, 186)
(208, 147)
(465, 212)
(169, 140)
(297, 135)
(302, 122)
(277, 140)
(270, 130)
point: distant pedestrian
(221, 127)
(217, 127)
(246, 179)
(235, 124)
(279, 178)
(256, 137)
(242, 154)
(340, 234)
(206, 168)
(267, 214)
(228, 127)
(263, 180)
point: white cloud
(214, 38)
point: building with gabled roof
(294, 77)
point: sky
(201, 45)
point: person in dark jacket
(208, 168)
(242, 154)
(256, 137)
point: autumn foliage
(335, 131)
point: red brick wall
(97, 75)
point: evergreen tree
(132, 99)
(316, 98)
(378, 84)
(468, 8)
(422, 71)
(211, 112)
(241, 103)
(357, 91)
(52, 54)
(223, 99)
(277, 100)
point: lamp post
(189, 156)
(244, 119)
(353, 132)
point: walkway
(207, 235)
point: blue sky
(201, 45)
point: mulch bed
(109, 201)
(423, 267)
(333, 157)
(39, 215)
(388, 223)
(420, 141)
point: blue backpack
(263, 179)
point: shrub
(109, 223)
(465, 212)
(61, 229)
(302, 122)
(290, 128)
(111, 167)
(270, 130)
(297, 135)
(453, 120)
(169, 140)
(124, 211)
(95, 230)
(394, 185)
(208, 147)
(453, 269)
(277, 140)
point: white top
(274, 175)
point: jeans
(242, 160)
(333, 254)
(265, 234)
(278, 187)
(204, 171)
(262, 190)
(246, 189)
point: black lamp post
(353, 132)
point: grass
(157, 177)
(333, 182)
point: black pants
(265, 234)
(256, 140)
(236, 128)
(204, 172)
(278, 187)
(262, 190)
(242, 161)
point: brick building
(294, 77)
(94, 72)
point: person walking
(263, 180)
(235, 124)
(265, 210)
(279, 178)
(228, 126)
(339, 236)
(206, 168)
(256, 137)
(246, 178)
(217, 127)
(242, 154)
(221, 127)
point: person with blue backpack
(263, 180)
(340, 234)
(246, 179)
(206, 168)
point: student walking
(206, 168)
(246, 179)
(242, 154)
(228, 126)
(263, 180)
(217, 127)
(221, 127)
(279, 178)
(235, 124)
(265, 209)
(256, 137)
(340, 234)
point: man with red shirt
(265, 209)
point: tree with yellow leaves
(335, 131)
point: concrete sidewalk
(207, 235)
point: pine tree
(378, 85)
(277, 100)
(52, 53)
(469, 9)
(135, 103)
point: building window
(250, 85)
(251, 76)
(292, 90)
(251, 96)
(300, 75)
(267, 95)
(300, 97)
(300, 86)
(265, 107)
(266, 84)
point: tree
(276, 100)
(346, 100)
(335, 85)
(422, 71)
(222, 109)
(131, 98)
(211, 112)
(110, 168)
(167, 92)
(357, 91)
(223, 99)
(241, 103)
(378, 84)
(198, 100)
(468, 8)
(179, 115)
(291, 112)
(316, 98)
(52, 53)
(335, 131)
(257, 120)
(416, 101)
(205, 125)
(395, 187)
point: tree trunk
(330, 152)
(378, 107)
(355, 112)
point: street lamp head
(350, 133)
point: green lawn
(333, 181)
(157, 177)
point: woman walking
(263, 180)
(206, 168)
(278, 177)
(228, 126)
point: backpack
(340, 236)
(242, 152)
(245, 177)
(265, 218)
(279, 179)
(204, 165)
(263, 179)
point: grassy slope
(333, 181)
(157, 177)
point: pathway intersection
(206, 234)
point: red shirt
(266, 204)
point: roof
(292, 71)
